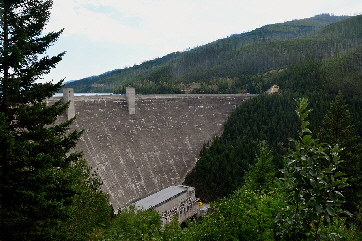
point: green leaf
(332, 196)
(318, 209)
(307, 197)
(316, 190)
(339, 193)
(313, 183)
(307, 139)
(304, 125)
(338, 174)
(306, 130)
(330, 210)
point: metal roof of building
(160, 196)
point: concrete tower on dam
(142, 144)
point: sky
(103, 35)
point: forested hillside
(224, 66)
(308, 134)
(272, 118)
(229, 162)
(224, 163)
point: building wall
(173, 202)
(183, 206)
(154, 148)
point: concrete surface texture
(153, 148)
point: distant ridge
(230, 60)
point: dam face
(152, 148)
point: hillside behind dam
(139, 154)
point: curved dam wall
(153, 148)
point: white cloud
(141, 21)
(160, 22)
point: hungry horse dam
(141, 144)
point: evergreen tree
(337, 129)
(262, 176)
(41, 183)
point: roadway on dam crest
(139, 154)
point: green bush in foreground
(313, 188)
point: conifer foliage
(42, 187)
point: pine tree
(40, 181)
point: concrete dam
(143, 144)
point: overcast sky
(102, 35)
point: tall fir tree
(42, 186)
